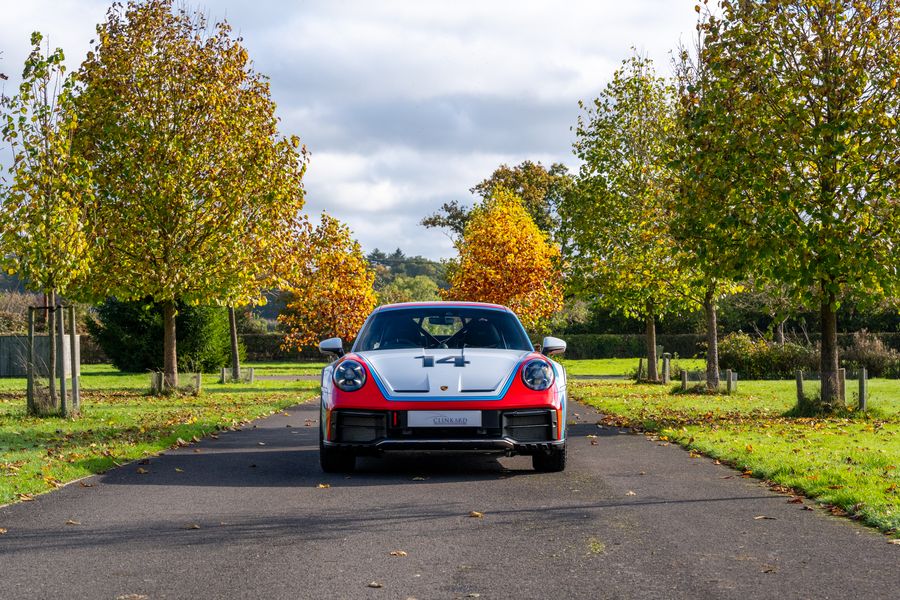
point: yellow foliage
(504, 258)
(330, 286)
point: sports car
(444, 377)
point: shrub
(867, 350)
(131, 335)
(760, 359)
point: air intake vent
(530, 425)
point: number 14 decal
(456, 361)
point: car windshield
(440, 327)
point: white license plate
(443, 418)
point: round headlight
(349, 376)
(537, 374)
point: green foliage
(42, 216)
(389, 266)
(420, 288)
(131, 335)
(541, 190)
(622, 251)
(756, 358)
(869, 351)
(609, 345)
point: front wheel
(552, 462)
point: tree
(195, 186)
(403, 288)
(622, 249)
(42, 219)
(711, 249)
(331, 291)
(506, 259)
(540, 189)
(816, 198)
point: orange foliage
(506, 259)
(330, 286)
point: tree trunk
(712, 341)
(170, 354)
(830, 397)
(652, 372)
(779, 332)
(235, 351)
(51, 363)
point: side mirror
(552, 345)
(332, 346)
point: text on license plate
(443, 418)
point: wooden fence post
(198, 383)
(729, 382)
(222, 377)
(800, 397)
(74, 365)
(734, 381)
(29, 396)
(684, 380)
(61, 360)
(666, 369)
(863, 389)
(252, 375)
(842, 384)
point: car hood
(437, 373)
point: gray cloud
(406, 104)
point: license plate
(444, 418)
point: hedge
(608, 345)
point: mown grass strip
(849, 463)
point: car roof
(441, 304)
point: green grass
(119, 423)
(622, 366)
(849, 462)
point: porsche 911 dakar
(443, 376)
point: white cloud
(406, 104)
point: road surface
(244, 516)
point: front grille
(360, 427)
(530, 425)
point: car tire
(552, 462)
(333, 460)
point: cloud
(406, 104)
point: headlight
(349, 376)
(537, 374)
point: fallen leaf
(142, 471)
(895, 542)
(419, 478)
(323, 486)
(796, 500)
(191, 526)
(805, 507)
(180, 442)
(3, 531)
(399, 553)
(835, 487)
(26, 497)
(73, 522)
(642, 473)
(594, 442)
(375, 584)
(83, 484)
(717, 462)
(630, 493)
(177, 470)
(261, 443)
(476, 515)
(764, 517)
(146, 461)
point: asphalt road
(243, 516)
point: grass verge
(850, 464)
(120, 423)
(623, 366)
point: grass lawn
(849, 463)
(623, 366)
(120, 423)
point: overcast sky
(406, 104)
